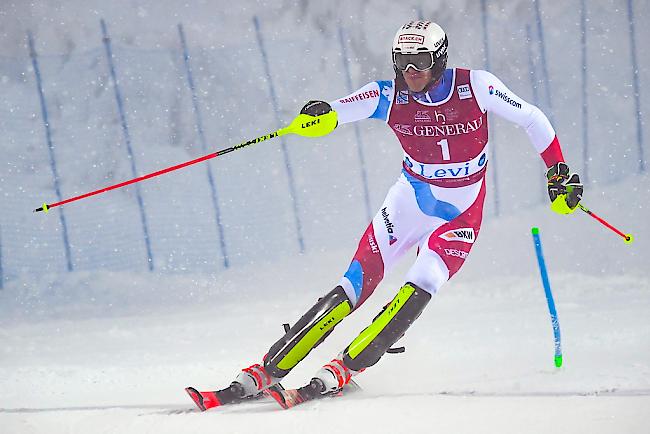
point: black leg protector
(386, 328)
(310, 330)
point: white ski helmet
(421, 45)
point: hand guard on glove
(564, 188)
(316, 119)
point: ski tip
(196, 397)
(558, 361)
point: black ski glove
(316, 108)
(564, 188)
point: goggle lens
(420, 61)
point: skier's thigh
(429, 271)
(398, 225)
(443, 252)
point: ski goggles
(420, 61)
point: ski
(289, 398)
(227, 396)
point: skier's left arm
(565, 189)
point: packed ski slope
(111, 352)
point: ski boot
(248, 386)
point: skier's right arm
(371, 101)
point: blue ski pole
(549, 297)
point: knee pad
(310, 330)
(386, 328)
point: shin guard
(386, 328)
(310, 330)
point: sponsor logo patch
(464, 235)
(451, 113)
(452, 170)
(310, 123)
(389, 227)
(402, 97)
(373, 244)
(404, 129)
(457, 253)
(446, 130)
(386, 91)
(410, 38)
(504, 97)
(422, 116)
(464, 91)
(360, 96)
(420, 25)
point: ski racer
(439, 116)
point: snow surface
(110, 347)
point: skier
(439, 116)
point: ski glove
(316, 108)
(564, 188)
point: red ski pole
(627, 237)
(303, 125)
(46, 207)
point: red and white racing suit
(437, 202)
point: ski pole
(628, 238)
(555, 322)
(303, 125)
